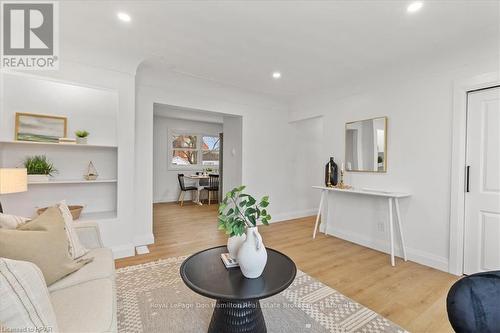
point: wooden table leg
(391, 231)
(400, 225)
(319, 213)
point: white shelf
(59, 144)
(74, 181)
(97, 216)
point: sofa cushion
(24, 299)
(102, 266)
(11, 221)
(42, 241)
(86, 307)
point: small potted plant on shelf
(39, 168)
(239, 214)
(81, 137)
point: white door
(482, 198)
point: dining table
(197, 178)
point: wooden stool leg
(182, 199)
(209, 197)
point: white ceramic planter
(252, 255)
(38, 178)
(81, 141)
(233, 245)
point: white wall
(233, 146)
(307, 164)
(165, 184)
(418, 103)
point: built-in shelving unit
(74, 181)
(72, 145)
(92, 109)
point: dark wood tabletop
(205, 274)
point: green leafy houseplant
(82, 134)
(240, 210)
(39, 165)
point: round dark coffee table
(237, 308)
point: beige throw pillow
(42, 241)
(76, 249)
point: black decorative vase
(331, 173)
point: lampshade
(13, 180)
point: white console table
(391, 197)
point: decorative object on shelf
(91, 172)
(75, 211)
(341, 185)
(39, 169)
(238, 212)
(331, 173)
(40, 128)
(67, 140)
(81, 137)
(13, 180)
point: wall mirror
(366, 145)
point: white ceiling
(313, 43)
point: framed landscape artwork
(40, 128)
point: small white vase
(233, 245)
(81, 141)
(252, 255)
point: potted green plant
(39, 168)
(81, 137)
(239, 214)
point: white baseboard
(144, 239)
(293, 215)
(123, 251)
(415, 255)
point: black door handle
(467, 179)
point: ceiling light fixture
(414, 6)
(276, 75)
(124, 17)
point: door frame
(458, 159)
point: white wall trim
(459, 125)
(418, 256)
(294, 215)
(144, 239)
(123, 251)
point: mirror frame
(386, 119)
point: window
(184, 149)
(194, 150)
(210, 150)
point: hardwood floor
(411, 295)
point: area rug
(152, 298)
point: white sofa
(85, 301)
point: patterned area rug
(153, 298)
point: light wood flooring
(411, 295)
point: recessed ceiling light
(276, 75)
(124, 17)
(414, 6)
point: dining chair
(184, 188)
(213, 185)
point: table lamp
(13, 180)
